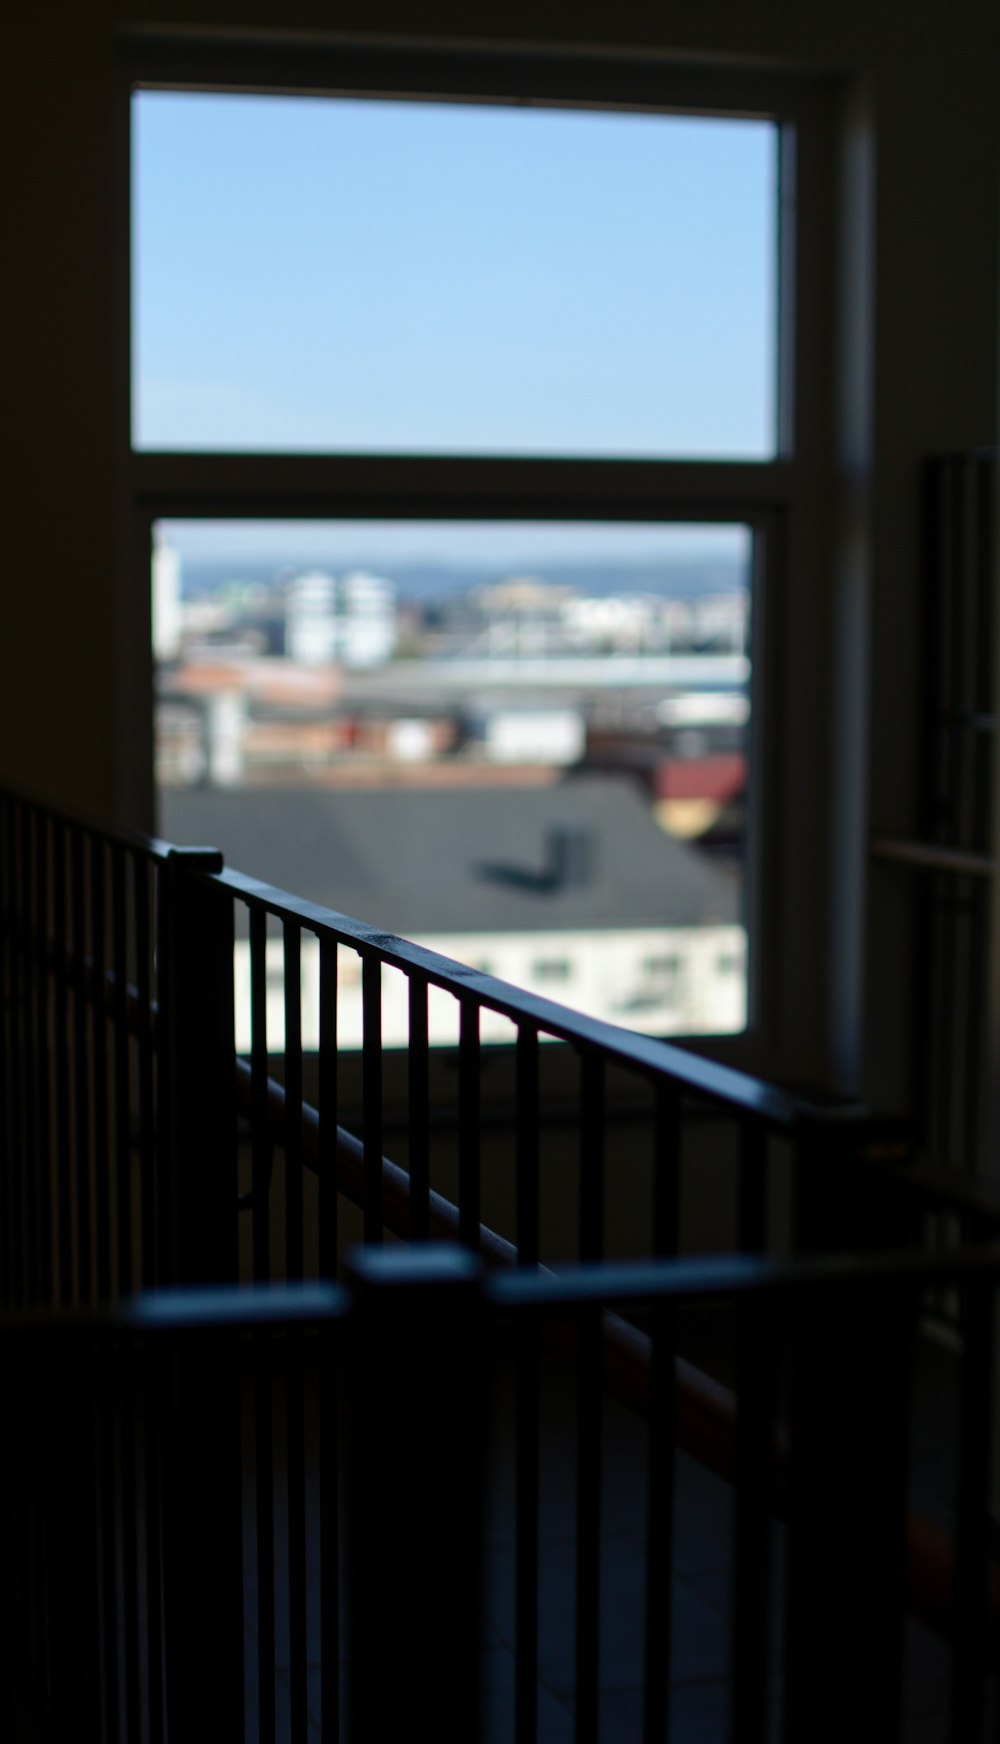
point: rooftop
(586, 853)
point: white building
(351, 621)
(665, 981)
(167, 611)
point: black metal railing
(119, 1029)
(954, 857)
(406, 1618)
(141, 1151)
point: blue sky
(315, 274)
(514, 546)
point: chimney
(572, 856)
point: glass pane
(524, 745)
(331, 275)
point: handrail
(645, 1054)
(933, 857)
(648, 1054)
(707, 1414)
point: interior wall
(917, 374)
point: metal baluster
(528, 1442)
(526, 1140)
(151, 1393)
(418, 1067)
(6, 1058)
(108, 1597)
(328, 1106)
(469, 1191)
(261, 1147)
(61, 1093)
(588, 1525)
(953, 645)
(25, 1162)
(591, 1156)
(145, 1179)
(30, 974)
(261, 1163)
(526, 1146)
(294, 1235)
(46, 1208)
(102, 1136)
(123, 1113)
(329, 1468)
(970, 1618)
(127, 1502)
(666, 1171)
(977, 958)
(984, 619)
(295, 1384)
(589, 1408)
(661, 1430)
(752, 1187)
(148, 1390)
(16, 996)
(80, 1377)
(659, 1520)
(527, 1382)
(81, 1074)
(371, 1061)
(756, 1357)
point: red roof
(719, 778)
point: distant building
(350, 622)
(572, 892)
(539, 734)
(167, 610)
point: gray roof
(428, 861)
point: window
(547, 970)
(662, 968)
(348, 275)
(508, 285)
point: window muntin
(338, 275)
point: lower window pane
(522, 744)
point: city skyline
(479, 545)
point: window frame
(784, 501)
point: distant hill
(687, 578)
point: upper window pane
(315, 274)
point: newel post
(416, 1390)
(197, 1384)
(197, 1199)
(850, 1349)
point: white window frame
(785, 501)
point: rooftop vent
(571, 856)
